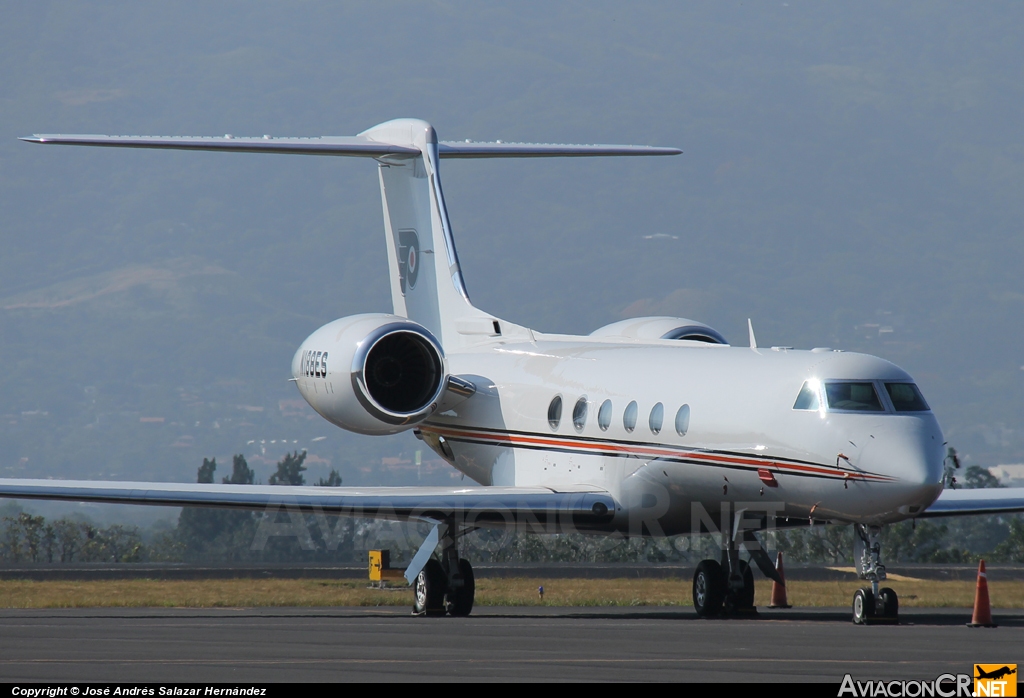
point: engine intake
(401, 371)
(385, 374)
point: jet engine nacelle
(372, 373)
(661, 328)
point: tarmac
(241, 645)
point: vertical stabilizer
(426, 280)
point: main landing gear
(872, 605)
(436, 595)
(715, 592)
(444, 586)
(727, 587)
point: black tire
(863, 606)
(429, 590)
(745, 598)
(890, 603)
(708, 588)
(460, 601)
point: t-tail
(427, 284)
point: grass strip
(247, 593)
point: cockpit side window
(808, 397)
(853, 397)
(906, 397)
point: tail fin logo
(408, 258)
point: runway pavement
(494, 644)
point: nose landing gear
(873, 605)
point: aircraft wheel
(429, 590)
(708, 588)
(460, 601)
(745, 598)
(863, 606)
(890, 604)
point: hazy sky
(851, 178)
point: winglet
(750, 331)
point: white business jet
(652, 426)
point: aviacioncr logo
(408, 258)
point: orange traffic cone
(779, 590)
(982, 617)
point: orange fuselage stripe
(606, 446)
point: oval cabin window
(604, 415)
(629, 416)
(555, 411)
(657, 417)
(683, 420)
(579, 413)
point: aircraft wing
(358, 146)
(583, 506)
(1001, 500)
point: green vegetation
(237, 593)
(27, 538)
(202, 533)
(205, 534)
(219, 535)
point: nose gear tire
(863, 606)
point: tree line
(201, 534)
(208, 534)
(223, 535)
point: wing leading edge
(1000, 500)
(487, 506)
(355, 146)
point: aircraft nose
(910, 450)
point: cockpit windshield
(906, 397)
(860, 396)
(855, 397)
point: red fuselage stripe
(599, 447)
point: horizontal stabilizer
(326, 145)
(497, 506)
(995, 500)
(357, 146)
(468, 149)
